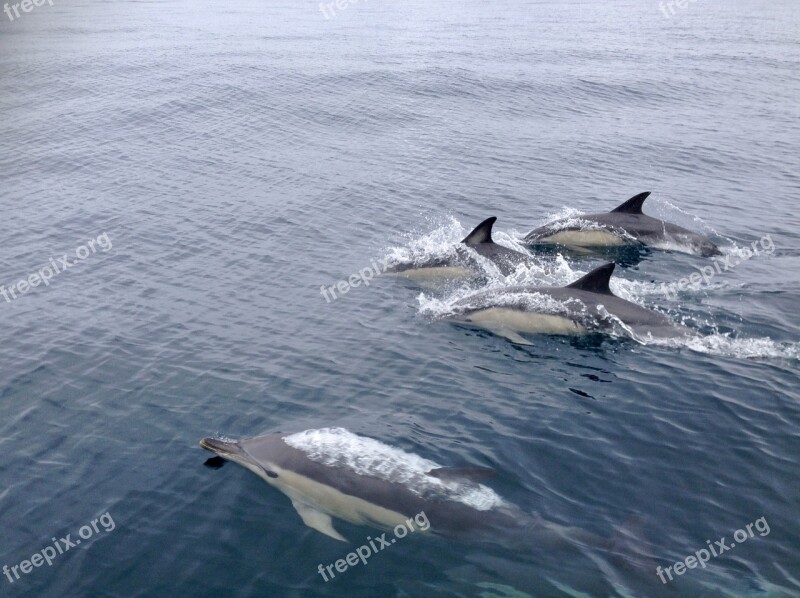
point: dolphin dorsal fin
(633, 205)
(470, 473)
(482, 233)
(595, 281)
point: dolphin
(332, 472)
(624, 225)
(463, 264)
(584, 306)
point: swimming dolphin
(332, 472)
(585, 305)
(624, 225)
(463, 264)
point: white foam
(570, 214)
(439, 243)
(338, 447)
(727, 346)
(551, 272)
(751, 251)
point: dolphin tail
(633, 205)
(481, 233)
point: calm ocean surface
(240, 155)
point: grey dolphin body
(321, 488)
(580, 307)
(623, 225)
(322, 484)
(463, 264)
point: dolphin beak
(222, 447)
(233, 451)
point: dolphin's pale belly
(585, 238)
(504, 318)
(317, 502)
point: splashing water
(441, 242)
(555, 271)
(724, 344)
(338, 447)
